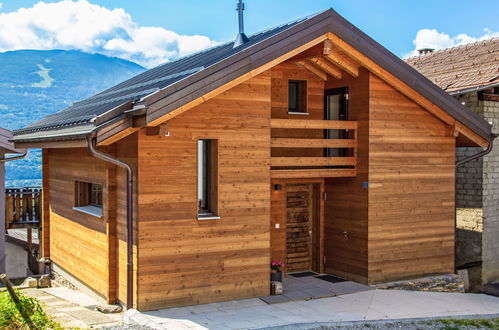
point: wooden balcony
(296, 156)
(22, 207)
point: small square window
(297, 96)
(88, 198)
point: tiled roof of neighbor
(474, 65)
(145, 83)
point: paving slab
(359, 306)
(63, 305)
(311, 287)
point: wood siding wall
(185, 261)
(346, 209)
(78, 241)
(281, 74)
(411, 188)
(125, 150)
(89, 248)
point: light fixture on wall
(277, 187)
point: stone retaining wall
(440, 283)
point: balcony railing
(22, 207)
(296, 156)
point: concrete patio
(360, 306)
(309, 285)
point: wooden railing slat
(313, 161)
(313, 124)
(312, 143)
(22, 206)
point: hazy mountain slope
(36, 83)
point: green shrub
(10, 318)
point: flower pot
(276, 277)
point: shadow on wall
(469, 247)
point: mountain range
(35, 83)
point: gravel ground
(126, 326)
(465, 323)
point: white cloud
(91, 28)
(431, 38)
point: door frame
(279, 216)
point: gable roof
(173, 85)
(144, 84)
(5, 144)
(459, 69)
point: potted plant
(276, 270)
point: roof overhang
(5, 143)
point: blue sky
(395, 24)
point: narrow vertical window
(336, 103)
(207, 178)
(297, 96)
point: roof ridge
(439, 51)
(222, 44)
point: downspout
(480, 154)
(91, 142)
(458, 164)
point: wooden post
(15, 298)
(44, 231)
(30, 243)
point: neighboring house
(470, 73)
(309, 143)
(6, 147)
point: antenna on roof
(241, 37)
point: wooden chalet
(309, 143)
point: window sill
(298, 113)
(90, 210)
(208, 217)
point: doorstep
(309, 285)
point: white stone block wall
(469, 195)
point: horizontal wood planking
(78, 241)
(312, 161)
(125, 150)
(346, 206)
(313, 173)
(313, 124)
(313, 143)
(281, 75)
(411, 189)
(185, 261)
(471, 137)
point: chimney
(424, 51)
(241, 37)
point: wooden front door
(299, 226)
